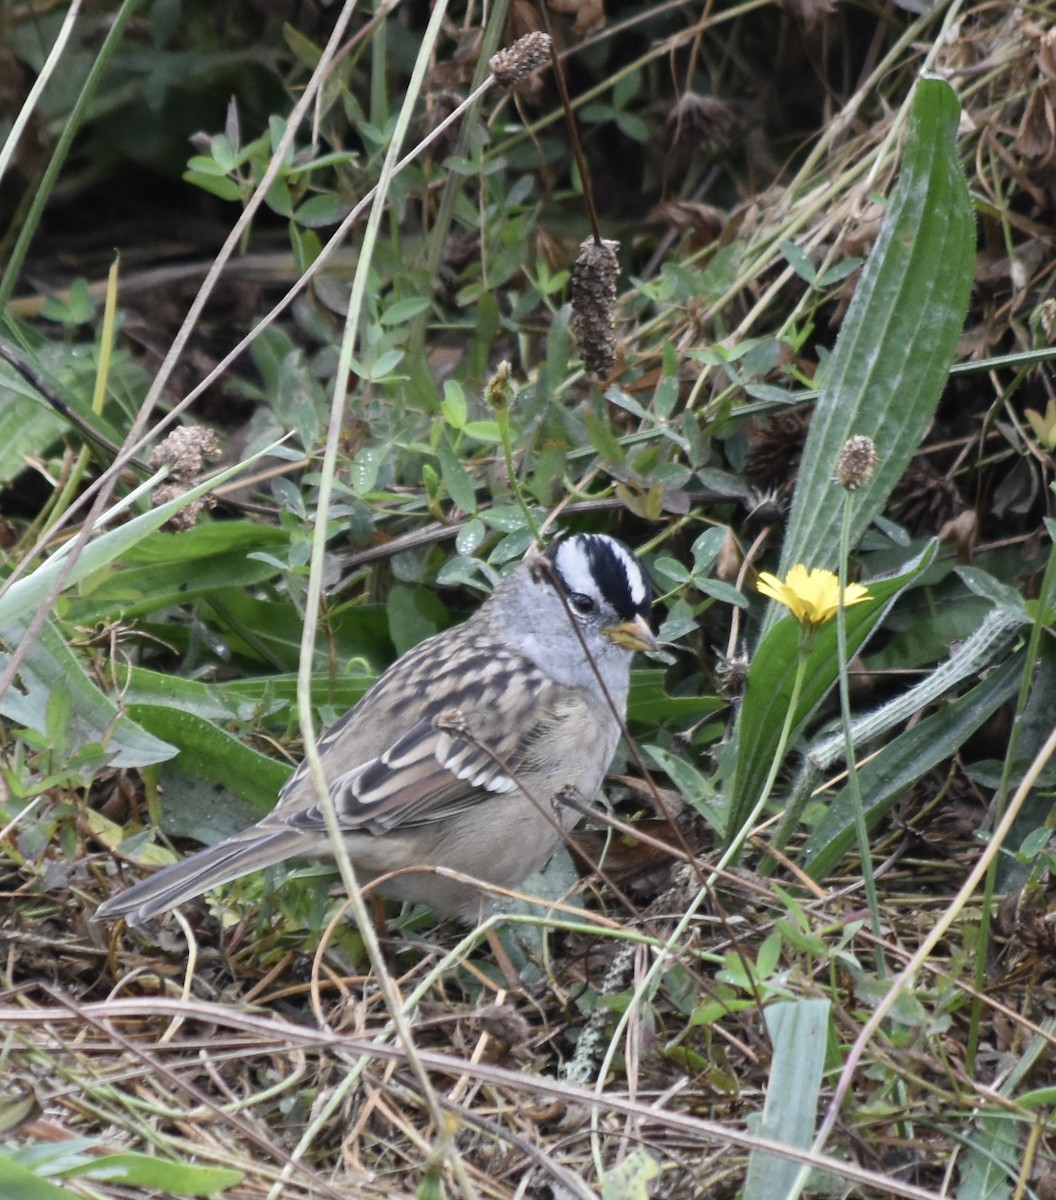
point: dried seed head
(504, 1023)
(187, 517)
(700, 122)
(499, 389)
(185, 451)
(514, 64)
(766, 506)
(924, 499)
(593, 299)
(731, 673)
(856, 462)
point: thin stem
(72, 127)
(314, 601)
(853, 782)
(102, 375)
(661, 958)
(573, 129)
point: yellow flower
(811, 596)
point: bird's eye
(583, 604)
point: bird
(460, 753)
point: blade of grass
(798, 1031)
(57, 159)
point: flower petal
(812, 596)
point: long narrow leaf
(887, 776)
(771, 677)
(26, 595)
(897, 342)
(798, 1031)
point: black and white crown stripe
(596, 564)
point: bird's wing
(469, 740)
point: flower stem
(853, 783)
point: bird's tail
(250, 850)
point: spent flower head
(594, 276)
(856, 462)
(499, 390)
(813, 596)
(514, 64)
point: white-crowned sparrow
(454, 756)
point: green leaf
(454, 406)
(681, 620)
(470, 537)
(226, 189)
(798, 1033)
(898, 339)
(483, 431)
(649, 700)
(706, 547)
(671, 569)
(204, 541)
(886, 777)
(415, 613)
(724, 592)
(123, 593)
(1000, 594)
(456, 480)
(838, 272)
(79, 307)
(54, 686)
(221, 150)
(771, 676)
(278, 198)
(320, 211)
(363, 471)
(629, 1180)
(206, 166)
(602, 438)
(695, 787)
(19, 1183)
(270, 631)
(244, 699)
(164, 1175)
(799, 262)
(993, 1159)
(17, 1106)
(405, 310)
(27, 429)
(210, 753)
(634, 127)
(25, 595)
(383, 365)
(29, 424)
